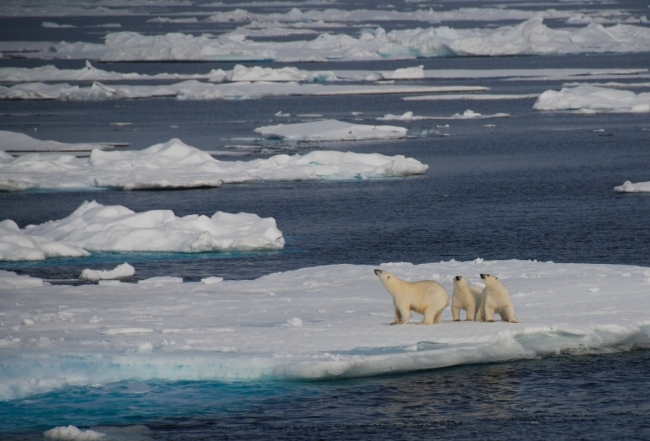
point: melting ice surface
(176, 165)
(331, 130)
(19, 142)
(315, 323)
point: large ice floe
(592, 99)
(331, 130)
(633, 187)
(16, 245)
(527, 38)
(196, 90)
(314, 323)
(176, 165)
(20, 142)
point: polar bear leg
(508, 314)
(398, 317)
(471, 310)
(429, 314)
(489, 313)
(455, 310)
(405, 314)
(438, 317)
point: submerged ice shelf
(314, 323)
(176, 165)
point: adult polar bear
(465, 297)
(426, 297)
(495, 299)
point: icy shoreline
(315, 323)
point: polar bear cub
(465, 297)
(495, 300)
(426, 297)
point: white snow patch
(637, 187)
(17, 245)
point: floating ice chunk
(468, 114)
(408, 73)
(96, 227)
(72, 433)
(279, 113)
(15, 245)
(11, 280)
(294, 322)
(474, 97)
(119, 272)
(637, 187)
(177, 165)
(49, 24)
(594, 99)
(331, 130)
(19, 142)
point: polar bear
(495, 300)
(465, 297)
(424, 296)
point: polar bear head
(490, 280)
(385, 277)
(460, 281)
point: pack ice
(314, 323)
(20, 142)
(176, 165)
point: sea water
(534, 186)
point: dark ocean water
(536, 186)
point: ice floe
(471, 97)
(176, 165)
(527, 38)
(119, 272)
(196, 90)
(314, 323)
(16, 245)
(331, 130)
(592, 99)
(20, 142)
(468, 114)
(636, 187)
(95, 227)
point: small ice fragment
(294, 322)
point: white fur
(465, 297)
(495, 300)
(426, 297)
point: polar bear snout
(457, 278)
(483, 276)
(378, 271)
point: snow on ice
(592, 99)
(176, 165)
(320, 323)
(331, 130)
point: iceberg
(592, 99)
(637, 187)
(176, 165)
(331, 130)
(20, 142)
(326, 322)
(95, 227)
